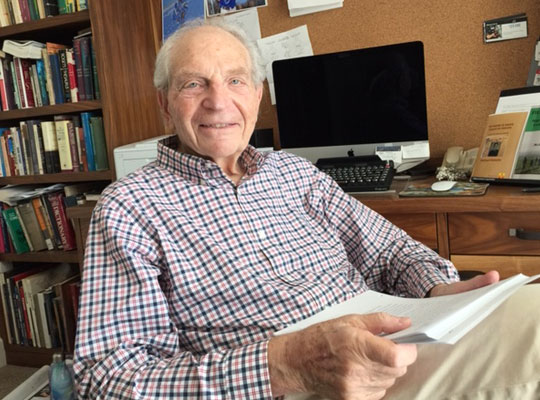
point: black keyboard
(359, 174)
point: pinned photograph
(220, 7)
(176, 12)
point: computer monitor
(351, 102)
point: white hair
(162, 65)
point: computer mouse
(442, 186)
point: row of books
(18, 11)
(35, 220)
(40, 304)
(35, 74)
(68, 143)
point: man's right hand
(342, 358)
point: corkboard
(464, 76)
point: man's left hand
(464, 286)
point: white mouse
(442, 186)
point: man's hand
(342, 358)
(464, 286)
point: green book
(99, 143)
(15, 231)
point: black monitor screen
(372, 95)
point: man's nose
(216, 97)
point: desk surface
(497, 198)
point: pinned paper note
(288, 44)
(302, 7)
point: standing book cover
(505, 150)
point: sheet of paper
(302, 7)
(288, 44)
(415, 150)
(389, 153)
(247, 20)
(443, 319)
(518, 102)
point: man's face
(211, 102)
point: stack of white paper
(301, 7)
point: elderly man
(194, 261)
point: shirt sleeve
(127, 347)
(387, 257)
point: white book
(443, 319)
(30, 387)
(23, 48)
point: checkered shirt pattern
(186, 275)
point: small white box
(129, 157)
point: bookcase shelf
(126, 35)
(64, 177)
(53, 26)
(42, 256)
(64, 108)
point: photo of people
(494, 147)
(217, 7)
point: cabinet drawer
(488, 233)
(422, 227)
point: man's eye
(191, 85)
(236, 81)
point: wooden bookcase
(126, 37)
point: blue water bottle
(60, 379)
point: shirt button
(262, 235)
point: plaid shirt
(186, 275)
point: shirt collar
(200, 170)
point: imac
(353, 103)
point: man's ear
(164, 108)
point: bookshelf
(126, 37)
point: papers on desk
(302, 7)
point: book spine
(65, 75)
(74, 151)
(64, 148)
(48, 76)
(73, 87)
(25, 316)
(42, 81)
(25, 148)
(65, 229)
(52, 219)
(97, 93)
(56, 75)
(27, 127)
(27, 82)
(17, 151)
(15, 230)
(100, 146)
(20, 82)
(79, 69)
(25, 11)
(16, 94)
(51, 8)
(50, 146)
(8, 81)
(89, 144)
(4, 14)
(86, 58)
(5, 308)
(23, 226)
(40, 151)
(35, 85)
(38, 209)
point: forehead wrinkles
(207, 48)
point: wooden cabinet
(126, 37)
(476, 233)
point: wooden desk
(473, 232)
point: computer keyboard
(359, 174)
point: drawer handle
(523, 234)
